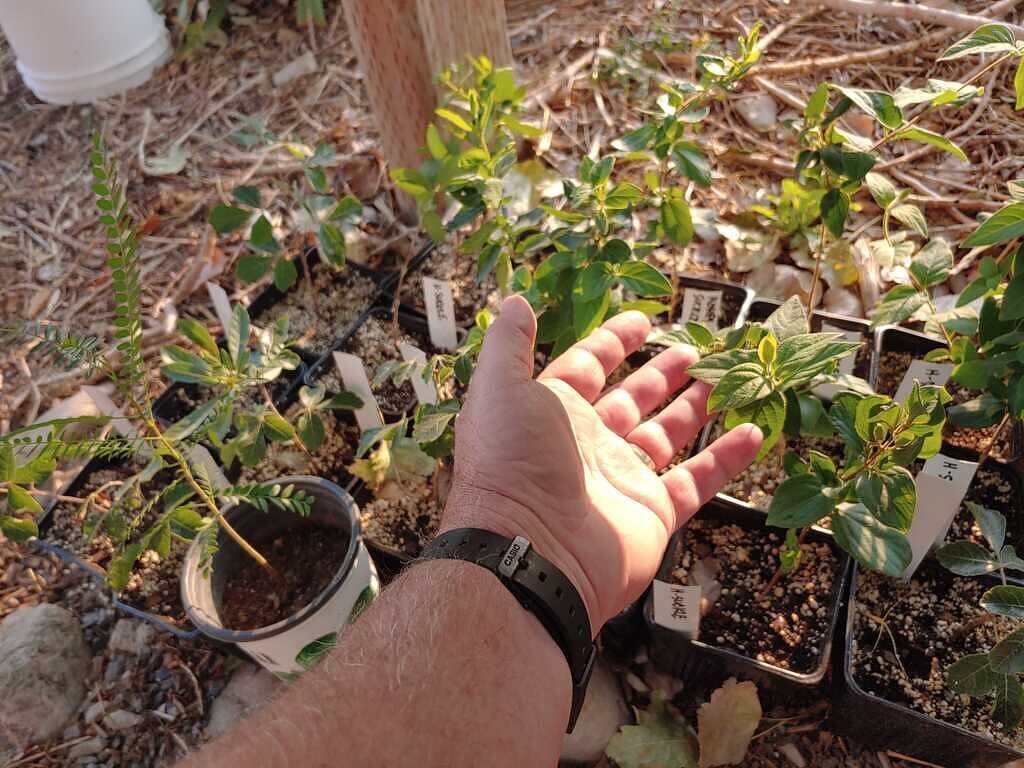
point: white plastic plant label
(701, 307)
(437, 297)
(122, 425)
(845, 365)
(298, 648)
(677, 607)
(199, 455)
(221, 305)
(353, 376)
(426, 391)
(924, 372)
(941, 486)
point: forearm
(445, 669)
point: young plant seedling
(997, 672)
(762, 373)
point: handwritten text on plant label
(437, 296)
(924, 372)
(677, 607)
(701, 307)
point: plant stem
(778, 571)
(210, 504)
(309, 285)
(270, 404)
(991, 444)
(931, 306)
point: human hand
(555, 458)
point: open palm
(555, 458)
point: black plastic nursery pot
(701, 662)
(292, 645)
(180, 628)
(894, 339)
(878, 722)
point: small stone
(759, 110)
(85, 748)
(121, 720)
(131, 636)
(42, 677)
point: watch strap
(539, 586)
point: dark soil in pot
(786, 626)
(331, 461)
(153, 585)
(997, 488)
(906, 634)
(403, 518)
(375, 342)
(341, 298)
(305, 559)
(460, 270)
(892, 366)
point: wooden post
(402, 45)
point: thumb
(507, 353)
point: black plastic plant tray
(697, 662)
(881, 723)
(894, 338)
(45, 522)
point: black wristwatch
(539, 586)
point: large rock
(604, 712)
(42, 674)
(249, 688)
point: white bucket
(77, 51)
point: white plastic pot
(292, 645)
(77, 51)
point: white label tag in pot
(701, 307)
(437, 297)
(845, 366)
(107, 407)
(924, 372)
(426, 392)
(353, 376)
(941, 486)
(221, 305)
(677, 607)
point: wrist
(490, 511)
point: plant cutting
(172, 496)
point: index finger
(586, 364)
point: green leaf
(285, 274)
(933, 263)
(988, 38)
(658, 740)
(347, 208)
(247, 195)
(587, 315)
(435, 145)
(934, 139)
(592, 282)
(769, 414)
(965, 558)
(634, 141)
(1001, 227)
(227, 218)
(910, 216)
(739, 387)
(856, 165)
(1015, 398)
(189, 423)
(622, 196)
(310, 430)
(278, 428)
(881, 189)
(196, 333)
(18, 498)
(898, 305)
(1008, 708)
(643, 279)
(1007, 657)
(982, 411)
(1013, 299)
(788, 320)
(870, 542)
(972, 674)
(345, 401)
(711, 368)
(1018, 85)
(454, 118)
(804, 356)
(692, 163)
(251, 267)
(1004, 600)
(991, 523)
(676, 220)
(878, 104)
(120, 568)
(900, 499)
(432, 421)
(799, 501)
(261, 238)
(647, 306)
(17, 529)
(835, 207)
(237, 334)
(814, 110)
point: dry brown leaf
(727, 722)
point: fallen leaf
(727, 722)
(658, 740)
